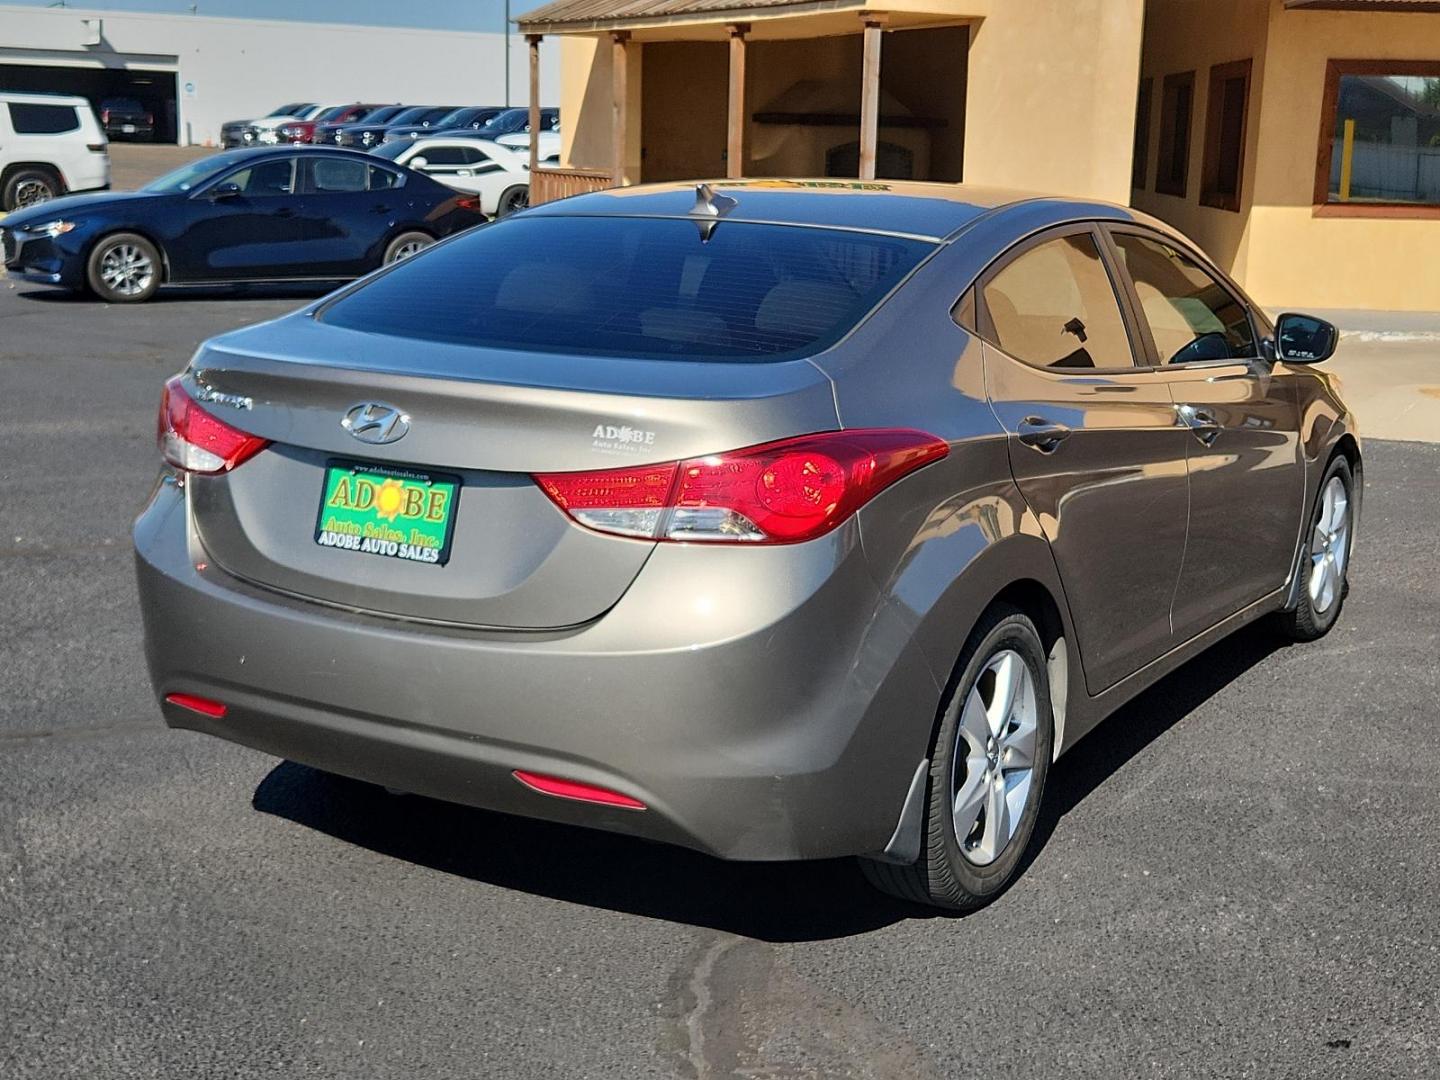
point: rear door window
(641, 287)
(338, 176)
(1053, 306)
(32, 119)
(1191, 315)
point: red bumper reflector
(570, 789)
(204, 706)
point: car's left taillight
(196, 441)
(776, 493)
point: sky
(425, 14)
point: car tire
(30, 187)
(124, 268)
(512, 200)
(1324, 563)
(407, 244)
(965, 866)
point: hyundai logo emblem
(376, 422)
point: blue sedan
(277, 214)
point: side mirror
(228, 190)
(1304, 339)
(418, 162)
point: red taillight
(192, 439)
(778, 493)
(150, 118)
(573, 789)
(469, 202)
(104, 116)
(204, 706)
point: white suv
(49, 146)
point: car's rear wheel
(987, 774)
(30, 187)
(1325, 559)
(512, 199)
(124, 268)
(407, 244)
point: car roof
(43, 99)
(930, 211)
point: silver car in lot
(781, 520)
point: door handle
(1040, 434)
(1200, 421)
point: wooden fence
(549, 184)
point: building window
(1140, 161)
(1380, 138)
(1177, 106)
(1225, 110)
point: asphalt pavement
(1238, 877)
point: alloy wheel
(32, 193)
(126, 270)
(1329, 546)
(410, 247)
(995, 758)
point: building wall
(1051, 98)
(1275, 245)
(1296, 258)
(237, 68)
(1180, 36)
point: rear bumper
(781, 723)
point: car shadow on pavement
(777, 902)
(239, 291)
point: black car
(273, 214)
(371, 132)
(335, 133)
(470, 118)
(126, 118)
(517, 121)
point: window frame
(1140, 152)
(1163, 186)
(241, 166)
(1330, 107)
(1220, 74)
(1261, 333)
(976, 308)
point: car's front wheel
(987, 774)
(124, 268)
(29, 187)
(407, 244)
(1325, 559)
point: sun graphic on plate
(389, 498)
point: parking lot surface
(1238, 875)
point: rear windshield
(640, 287)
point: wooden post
(533, 40)
(735, 141)
(870, 95)
(619, 92)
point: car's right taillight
(196, 441)
(776, 493)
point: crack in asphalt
(700, 990)
(94, 731)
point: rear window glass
(29, 119)
(641, 287)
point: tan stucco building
(1297, 140)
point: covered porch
(681, 89)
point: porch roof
(592, 16)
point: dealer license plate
(394, 513)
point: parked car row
(366, 125)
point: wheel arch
(39, 166)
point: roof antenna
(712, 207)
